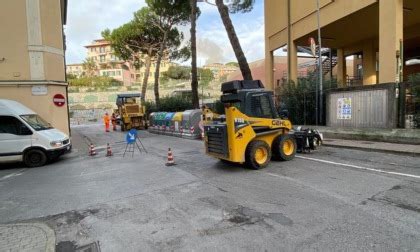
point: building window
(101, 49)
(102, 58)
(118, 73)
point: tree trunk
(240, 56)
(146, 74)
(158, 60)
(194, 80)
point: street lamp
(320, 67)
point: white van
(25, 136)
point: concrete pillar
(269, 71)
(292, 67)
(341, 67)
(369, 63)
(390, 35)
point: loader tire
(257, 154)
(284, 147)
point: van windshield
(36, 122)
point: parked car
(25, 136)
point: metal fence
(363, 107)
(409, 105)
(387, 105)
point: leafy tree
(177, 73)
(94, 81)
(234, 7)
(206, 75)
(137, 42)
(167, 15)
(71, 76)
(170, 104)
(235, 64)
(90, 67)
(194, 80)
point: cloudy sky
(87, 18)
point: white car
(25, 136)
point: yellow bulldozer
(250, 132)
(130, 112)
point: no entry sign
(59, 100)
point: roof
(129, 95)
(75, 64)
(98, 42)
(10, 107)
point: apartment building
(139, 73)
(32, 63)
(107, 64)
(75, 69)
(381, 34)
(220, 70)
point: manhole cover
(92, 247)
(70, 246)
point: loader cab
(250, 98)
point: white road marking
(12, 175)
(360, 167)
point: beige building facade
(108, 64)
(75, 69)
(220, 70)
(32, 63)
(382, 33)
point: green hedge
(170, 104)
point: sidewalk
(407, 149)
(26, 237)
(399, 136)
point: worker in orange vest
(106, 121)
(114, 121)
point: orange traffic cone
(108, 150)
(92, 151)
(171, 160)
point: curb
(404, 153)
(48, 232)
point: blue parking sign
(131, 136)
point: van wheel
(257, 154)
(284, 147)
(35, 158)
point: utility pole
(320, 66)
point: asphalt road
(332, 199)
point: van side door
(15, 136)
